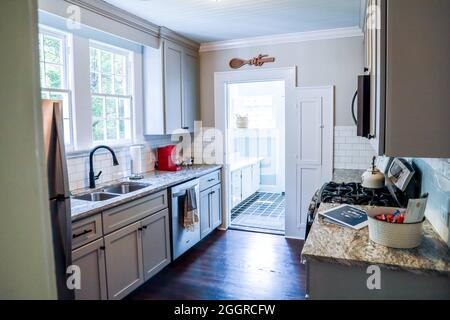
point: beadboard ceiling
(210, 20)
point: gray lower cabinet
(124, 261)
(210, 209)
(216, 206)
(205, 216)
(155, 243)
(90, 259)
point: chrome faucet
(92, 176)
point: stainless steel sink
(125, 187)
(96, 196)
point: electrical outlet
(444, 215)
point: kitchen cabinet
(236, 190)
(216, 206)
(155, 243)
(173, 85)
(256, 177)
(90, 259)
(191, 89)
(245, 181)
(205, 216)
(407, 56)
(124, 267)
(210, 209)
(172, 99)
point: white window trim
(77, 67)
(68, 76)
(129, 88)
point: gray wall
(322, 62)
(26, 252)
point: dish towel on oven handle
(190, 216)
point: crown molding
(119, 15)
(114, 13)
(283, 38)
(166, 33)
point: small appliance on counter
(167, 159)
(392, 194)
(373, 178)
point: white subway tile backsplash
(78, 166)
(351, 151)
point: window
(53, 50)
(110, 84)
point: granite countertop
(158, 180)
(347, 175)
(327, 242)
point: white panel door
(311, 122)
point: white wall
(26, 252)
(322, 62)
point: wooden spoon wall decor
(258, 61)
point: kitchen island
(338, 261)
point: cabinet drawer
(209, 180)
(86, 230)
(126, 214)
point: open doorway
(256, 155)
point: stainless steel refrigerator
(59, 195)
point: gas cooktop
(354, 193)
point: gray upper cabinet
(155, 243)
(409, 64)
(91, 260)
(191, 89)
(173, 85)
(172, 98)
(124, 261)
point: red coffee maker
(166, 159)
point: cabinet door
(256, 177)
(191, 88)
(236, 188)
(91, 260)
(173, 85)
(246, 183)
(124, 261)
(205, 213)
(155, 243)
(216, 206)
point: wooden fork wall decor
(258, 61)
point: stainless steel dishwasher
(182, 239)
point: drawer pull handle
(76, 235)
(102, 248)
(211, 180)
(144, 227)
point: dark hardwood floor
(232, 265)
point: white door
(310, 155)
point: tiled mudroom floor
(261, 212)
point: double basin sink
(112, 191)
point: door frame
(221, 115)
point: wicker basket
(394, 235)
